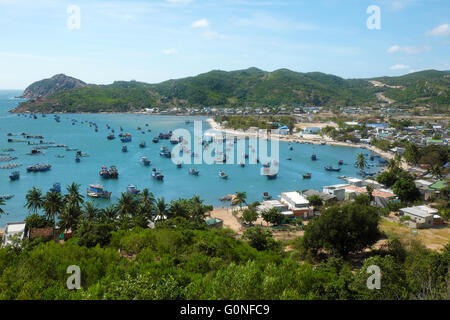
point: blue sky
(157, 40)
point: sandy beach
(313, 139)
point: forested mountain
(249, 87)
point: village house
(297, 203)
(421, 216)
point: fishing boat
(179, 165)
(56, 188)
(330, 168)
(113, 172)
(77, 158)
(60, 156)
(270, 174)
(104, 173)
(124, 149)
(165, 152)
(132, 189)
(223, 175)
(35, 151)
(126, 137)
(145, 161)
(307, 176)
(39, 168)
(341, 162)
(266, 196)
(97, 191)
(142, 144)
(155, 140)
(111, 137)
(291, 148)
(14, 175)
(193, 172)
(174, 140)
(157, 175)
(313, 157)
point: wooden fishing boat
(330, 168)
(157, 175)
(193, 172)
(132, 189)
(14, 175)
(145, 161)
(266, 196)
(97, 191)
(223, 175)
(307, 176)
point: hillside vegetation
(251, 87)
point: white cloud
(399, 67)
(202, 23)
(408, 49)
(442, 30)
(179, 1)
(265, 21)
(212, 35)
(169, 51)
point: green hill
(249, 87)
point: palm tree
(74, 194)
(2, 203)
(90, 211)
(392, 165)
(178, 209)
(240, 198)
(52, 205)
(109, 213)
(146, 202)
(69, 216)
(34, 200)
(161, 208)
(361, 161)
(127, 204)
(436, 172)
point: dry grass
(433, 238)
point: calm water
(177, 182)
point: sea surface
(177, 182)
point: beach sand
(314, 139)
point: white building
(422, 216)
(12, 229)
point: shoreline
(292, 138)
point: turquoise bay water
(177, 182)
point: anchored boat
(56, 187)
(14, 176)
(145, 161)
(39, 168)
(307, 176)
(193, 172)
(142, 144)
(157, 175)
(266, 196)
(223, 175)
(132, 189)
(97, 191)
(330, 168)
